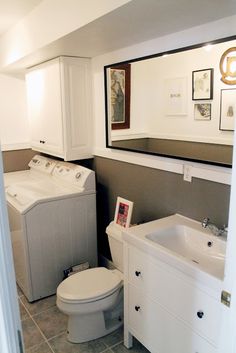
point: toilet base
(84, 328)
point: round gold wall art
(228, 66)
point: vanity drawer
(159, 330)
(176, 293)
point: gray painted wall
(155, 194)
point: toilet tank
(114, 233)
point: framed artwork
(123, 212)
(119, 96)
(202, 84)
(202, 111)
(227, 109)
(175, 90)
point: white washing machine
(52, 216)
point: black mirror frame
(173, 51)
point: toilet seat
(89, 285)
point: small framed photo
(123, 212)
(227, 109)
(202, 84)
(202, 111)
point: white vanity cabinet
(166, 310)
(59, 107)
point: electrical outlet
(188, 173)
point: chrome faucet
(213, 228)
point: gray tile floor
(44, 331)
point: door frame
(10, 324)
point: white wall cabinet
(165, 310)
(59, 107)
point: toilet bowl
(93, 299)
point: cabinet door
(44, 107)
(160, 331)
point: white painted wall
(14, 129)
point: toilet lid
(89, 285)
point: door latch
(225, 298)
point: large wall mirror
(179, 104)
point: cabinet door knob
(137, 308)
(41, 141)
(137, 273)
(200, 314)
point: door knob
(200, 314)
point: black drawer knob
(42, 141)
(137, 308)
(200, 314)
(137, 273)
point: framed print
(123, 212)
(175, 90)
(202, 111)
(119, 96)
(202, 84)
(227, 109)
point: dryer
(52, 216)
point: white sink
(198, 246)
(183, 243)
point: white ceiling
(137, 21)
(11, 11)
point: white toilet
(93, 299)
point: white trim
(132, 136)
(198, 170)
(16, 146)
(189, 138)
(9, 308)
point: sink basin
(197, 246)
(183, 243)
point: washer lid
(89, 285)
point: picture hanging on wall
(123, 212)
(175, 90)
(227, 109)
(202, 111)
(119, 96)
(202, 84)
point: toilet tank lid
(89, 285)
(114, 231)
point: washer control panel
(64, 172)
(73, 174)
(42, 164)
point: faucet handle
(205, 222)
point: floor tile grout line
(59, 334)
(42, 334)
(116, 344)
(43, 311)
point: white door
(10, 325)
